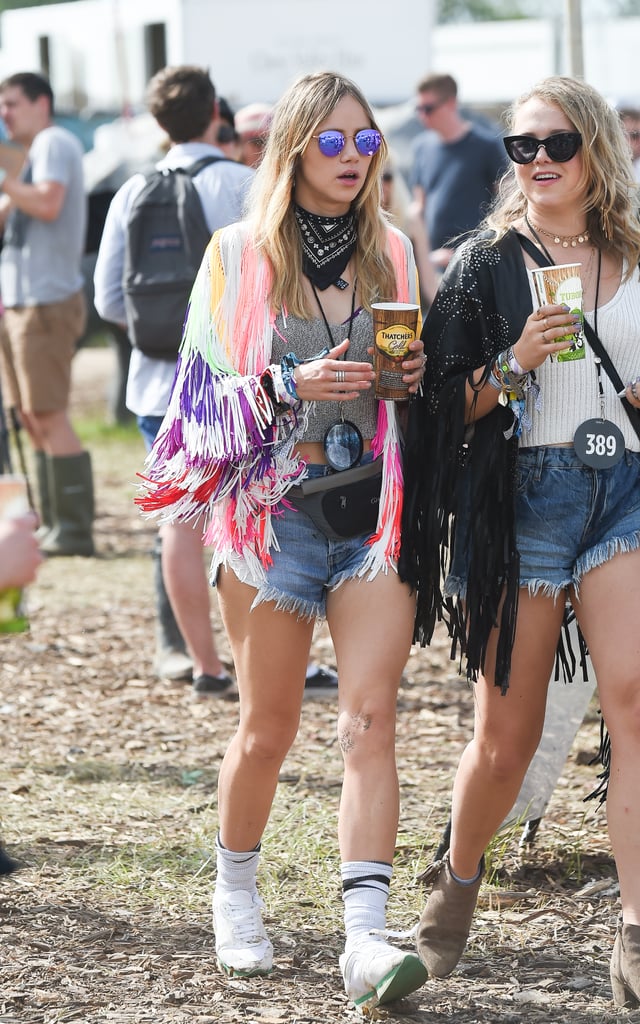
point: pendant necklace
(343, 444)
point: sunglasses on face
(523, 149)
(331, 143)
(428, 108)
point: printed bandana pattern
(327, 245)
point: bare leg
(371, 625)
(186, 583)
(608, 614)
(270, 652)
(506, 734)
(52, 432)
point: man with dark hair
(43, 210)
(32, 85)
(183, 101)
(456, 165)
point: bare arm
(535, 344)
(42, 200)
(20, 555)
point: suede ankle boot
(444, 926)
(625, 966)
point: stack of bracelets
(509, 378)
(279, 383)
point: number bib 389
(599, 443)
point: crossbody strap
(593, 339)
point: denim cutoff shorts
(569, 519)
(307, 565)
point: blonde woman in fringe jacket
(276, 352)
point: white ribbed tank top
(570, 390)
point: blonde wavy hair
(610, 192)
(308, 102)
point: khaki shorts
(37, 360)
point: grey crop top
(307, 338)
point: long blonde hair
(307, 103)
(611, 194)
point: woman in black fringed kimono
(523, 484)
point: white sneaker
(242, 946)
(375, 973)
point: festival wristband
(274, 385)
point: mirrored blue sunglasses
(367, 142)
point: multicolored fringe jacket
(225, 451)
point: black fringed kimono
(480, 309)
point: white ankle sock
(236, 871)
(365, 887)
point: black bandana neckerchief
(327, 246)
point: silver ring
(634, 390)
(543, 336)
(340, 376)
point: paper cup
(395, 325)
(14, 502)
(559, 285)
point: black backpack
(167, 235)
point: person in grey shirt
(183, 101)
(43, 211)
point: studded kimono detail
(480, 310)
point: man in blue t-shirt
(456, 165)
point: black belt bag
(343, 504)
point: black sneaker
(320, 683)
(7, 864)
(214, 686)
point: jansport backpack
(167, 235)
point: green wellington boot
(71, 493)
(44, 497)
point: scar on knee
(348, 734)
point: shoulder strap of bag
(592, 338)
(204, 161)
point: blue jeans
(149, 427)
